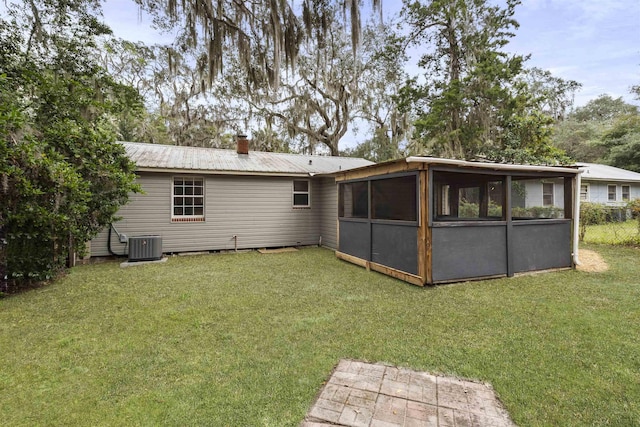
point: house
(427, 220)
(613, 187)
(609, 185)
(420, 219)
(203, 199)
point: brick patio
(361, 394)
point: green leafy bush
(591, 214)
(537, 212)
(634, 206)
(472, 210)
(63, 177)
(468, 210)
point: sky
(594, 42)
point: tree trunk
(4, 269)
(71, 260)
(454, 79)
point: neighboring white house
(604, 184)
(609, 185)
(542, 193)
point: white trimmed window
(187, 199)
(584, 192)
(301, 193)
(611, 193)
(626, 193)
(547, 194)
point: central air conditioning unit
(145, 248)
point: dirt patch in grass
(592, 262)
(277, 250)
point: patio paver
(360, 394)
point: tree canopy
(265, 34)
(63, 177)
(308, 72)
(605, 130)
(472, 102)
(319, 100)
(309, 107)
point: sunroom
(427, 220)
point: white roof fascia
(494, 166)
(221, 172)
(586, 177)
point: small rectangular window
(301, 196)
(584, 192)
(547, 194)
(611, 193)
(187, 200)
(626, 193)
(353, 201)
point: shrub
(468, 210)
(472, 210)
(591, 214)
(634, 206)
(62, 176)
(537, 212)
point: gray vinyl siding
(534, 195)
(599, 192)
(257, 209)
(329, 212)
(634, 191)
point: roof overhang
(493, 166)
(223, 172)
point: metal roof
(198, 159)
(598, 172)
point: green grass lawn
(614, 233)
(248, 339)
